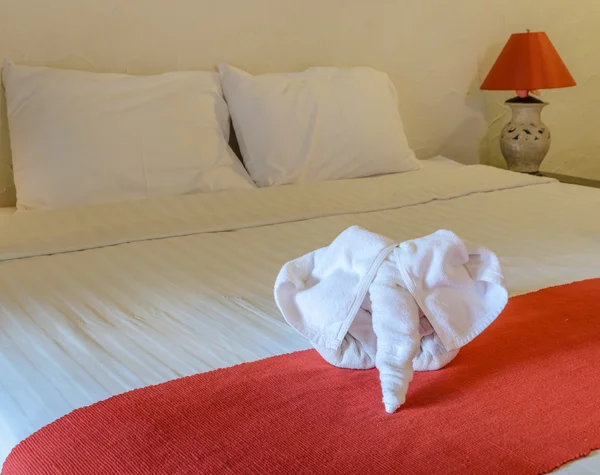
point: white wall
(436, 51)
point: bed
(102, 299)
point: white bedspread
(172, 287)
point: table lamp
(527, 63)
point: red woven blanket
(523, 398)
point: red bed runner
(523, 398)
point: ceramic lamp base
(525, 140)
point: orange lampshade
(528, 62)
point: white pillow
(321, 124)
(81, 138)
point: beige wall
(436, 51)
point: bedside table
(574, 180)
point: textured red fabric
(523, 398)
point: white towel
(365, 301)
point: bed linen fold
(29, 234)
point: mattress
(103, 299)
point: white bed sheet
(179, 286)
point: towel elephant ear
(320, 294)
(458, 285)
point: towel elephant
(366, 301)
